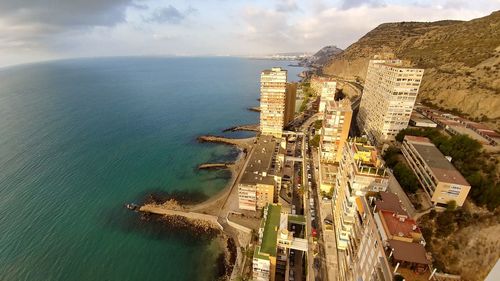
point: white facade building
(390, 92)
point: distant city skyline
(34, 31)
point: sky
(37, 30)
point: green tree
(314, 142)
(391, 156)
(451, 205)
(318, 124)
(406, 178)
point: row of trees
(403, 174)
(470, 160)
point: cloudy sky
(34, 30)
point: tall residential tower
(389, 95)
(272, 101)
(335, 130)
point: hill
(321, 57)
(461, 61)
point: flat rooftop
(328, 172)
(390, 202)
(417, 117)
(442, 169)
(461, 129)
(409, 252)
(260, 167)
(271, 226)
(399, 225)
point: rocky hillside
(461, 61)
(322, 56)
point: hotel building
(272, 101)
(389, 94)
(360, 171)
(262, 176)
(335, 130)
(439, 178)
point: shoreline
(213, 212)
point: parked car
(327, 221)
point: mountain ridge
(461, 61)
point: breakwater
(250, 128)
(206, 166)
(244, 144)
(254, 108)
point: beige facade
(389, 94)
(327, 176)
(439, 178)
(272, 101)
(365, 257)
(262, 176)
(360, 171)
(335, 130)
(290, 97)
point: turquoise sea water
(80, 138)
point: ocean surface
(80, 138)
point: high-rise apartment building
(360, 171)
(384, 240)
(324, 87)
(272, 101)
(335, 130)
(389, 94)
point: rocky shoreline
(201, 230)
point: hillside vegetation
(461, 61)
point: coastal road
(311, 274)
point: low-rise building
(261, 178)
(418, 120)
(438, 177)
(275, 240)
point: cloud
(286, 6)
(65, 13)
(169, 14)
(348, 4)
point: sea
(80, 138)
